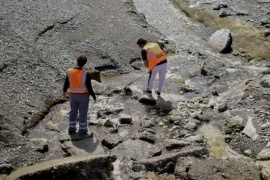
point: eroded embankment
(248, 40)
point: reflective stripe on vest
(154, 55)
(77, 78)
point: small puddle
(215, 139)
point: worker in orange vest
(155, 61)
(78, 85)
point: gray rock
(191, 126)
(41, 144)
(234, 124)
(165, 106)
(166, 162)
(147, 100)
(213, 168)
(202, 118)
(135, 150)
(222, 107)
(147, 136)
(176, 144)
(111, 141)
(250, 130)
(220, 40)
(147, 124)
(265, 82)
(264, 167)
(125, 119)
(194, 139)
(264, 155)
(108, 123)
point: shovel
(128, 90)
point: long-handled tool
(128, 90)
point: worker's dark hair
(141, 41)
(81, 60)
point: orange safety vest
(154, 55)
(77, 78)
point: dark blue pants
(78, 103)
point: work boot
(82, 132)
(71, 131)
(148, 92)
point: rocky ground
(211, 122)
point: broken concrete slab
(166, 162)
(59, 167)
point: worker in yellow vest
(79, 87)
(155, 61)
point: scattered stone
(194, 139)
(265, 81)
(52, 126)
(234, 124)
(248, 152)
(166, 163)
(147, 100)
(216, 7)
(265, 22)
(147, 124)
(41, 144)
(264, 167)
(190, 126)
(214, 168)
(135, 150)
(202, 118)
(125, 119)
(222, 107)
(264, 155)
(250, 130)
(6, 168)
(175, 144)
(147, 136)
(112, 130)
(224, 14)
(152, 176)
(165, 106)
(111, 141)
(266, 33)
(108, 123)
(220, 40)
(177, 79)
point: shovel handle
(135, 80)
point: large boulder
(221, 40)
